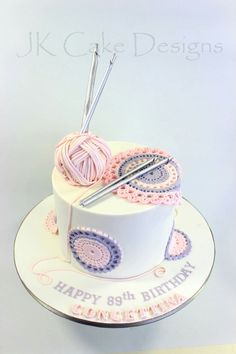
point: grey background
(181, 100)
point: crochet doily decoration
(95, 251)
(51, 222)
(160, 186)
(179, 246)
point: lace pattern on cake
(95, 251)
(51, 222)
(178, 246)
(160, 186)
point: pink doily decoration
(178, 246)
(51, 222)
(92, 252)
(164, 189)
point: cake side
(139, 233)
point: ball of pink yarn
(82, 158)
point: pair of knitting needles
(90, 103)
(140, 170)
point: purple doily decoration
(179, 245)
(161, 186)
(94, 251)
(156, 176)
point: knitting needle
(117, 183)
(138, 168)
(91, 82)
(97, 96)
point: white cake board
(87, 299)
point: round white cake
(113, 237)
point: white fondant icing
(142, 231)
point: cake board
(159, 292)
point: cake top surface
(113, 204)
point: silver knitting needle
(138, 168)
(86, 123)
(117, 183)
(91, 82)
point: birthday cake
(128, 231)
(119, 247)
